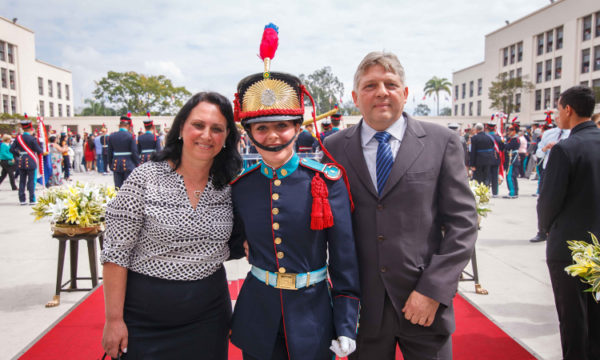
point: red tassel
(320, 216)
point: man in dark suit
(26, 148)
(415, 220)
(568, 208)
(483, 155)
(122, 152)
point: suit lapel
(410, 149)
(356, 158)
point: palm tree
(435, 85)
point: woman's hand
(115, 337)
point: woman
(296, 219)
(89, 153)
(7, 161)
(167, 234)
(56, 159)
(78, 151)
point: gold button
(282, 270)
(280, 255)
(283, 172)
(277, 182)
(275, 196)
(266, 171)
(277, 240)
(275, 211)
(275, 226)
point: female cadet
(297, 220)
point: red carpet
(78, 334)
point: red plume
(270, 41)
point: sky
(211, 45)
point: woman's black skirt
(169, 319)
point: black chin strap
(270, 148)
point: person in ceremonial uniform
(148, 142)
(104, 144)
(326, 126)
(483, 155)
(512, 159)
(122, 152)
(306, 142)
(498, 149)
(301, 298)
(26, 147)
(336, 119)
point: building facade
(28, 85)
(554, 48)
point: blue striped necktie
(384, 160)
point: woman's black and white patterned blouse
(152, 229)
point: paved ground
(513, 270)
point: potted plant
(586, 258)
(482, 198)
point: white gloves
(343, 346)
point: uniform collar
(26, 132)
(286, 170)
(122, 129)
(148, 132)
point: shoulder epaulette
(330, 171)
(245, 171)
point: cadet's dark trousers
(26, 178)
(382, 346)
(578, 314)
(67, 166)
(8, 170)
(493, 178)
(120, 177)
(482, 174)
(279, 351)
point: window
(455, 92)
(471, 88)
(547, 98)
(67, 96)
(538, 99)
(5, 104)
(462, 109)
(559, 37)
(68, 110)
(549, 40)
(471, 108)
(598, 24)
(596, 88)
(2, 53)
(511, 74)
(587, 28)
(585, 60)
(517, 103)
(4, 83)
(51, 109)
(597, 58)
(464, 90)
(555, 95)
(59, 109)
(455, 110)
(479, 86)
(548, 70)
(540, 44)
(11, 79)
(478, 107)
(519, 73)
(512, 54)
(10, 53)
(584, 83)
(50, 88)
(41, 110)
(40, 86)
(558, 67)
(505, 56)
(58, 90)
(13, 104)
(520, 52)
(538, 73)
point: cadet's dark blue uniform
(148, 143)
(483, 156)
(26, 165)
(513, 161)
(122, 155)
(494, 169)
(306, 142)
(275, 208)
(329, 132)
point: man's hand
(549, 146)
(420, 309)
(246, 249)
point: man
(569, 208)
(408, 182)
(104, 143)
(148, 143)
(512, 163)
(483, 155)
(326, 127)
(122, 152)
(336, 119)
(98, 147)
(26, 147)
(498, 150)
(306, 142)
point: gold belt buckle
(286, 281)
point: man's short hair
(580, 98)
(387, 60)
(479, 127)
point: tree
(503, 91)
(325, 88)
(422, 110)
(97, 108)
(434, 86)
(139, 93)
(348, 108)
(446, 111)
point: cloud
(166, 68)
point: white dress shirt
(551, 135)
(370, 144)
